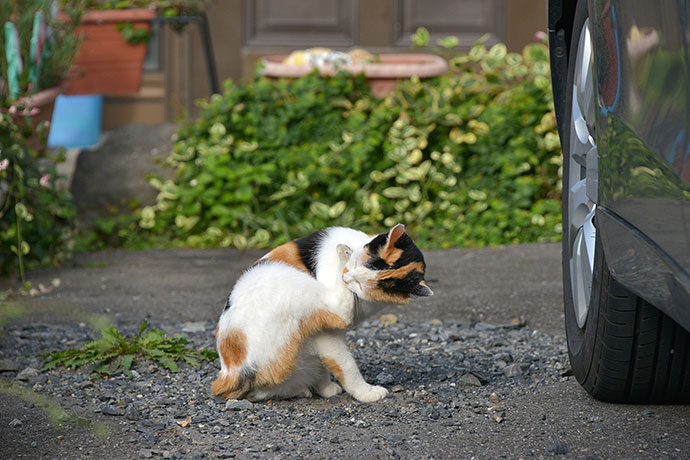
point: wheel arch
(561, 15)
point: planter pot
(106, 62)
(44, 101)
(382, 75)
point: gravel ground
(471, 384)
(447, 373)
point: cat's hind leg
(324, 387)
(333, 351)
(279, 392)
(307, 373)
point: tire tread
(643, 355)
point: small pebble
(26, 373)
(242, 404)
(109, 410)
(469, 379)
(515, 369)
(558, 448)
(388, 319)
(7, 365)
(15, 423)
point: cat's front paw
(371, 394)
(329, 390)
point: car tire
(621, 348)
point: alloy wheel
(582, 180)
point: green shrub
(469, 158)
(36, 219)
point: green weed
(113, 351)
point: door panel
(641, 62)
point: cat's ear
(344, 252)
(422, 290)
(394, 234)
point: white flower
(4, 164)
(44, 180)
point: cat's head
(390, 268)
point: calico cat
(283, 326)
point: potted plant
(37, 51)
(114, 34)
(382, 71)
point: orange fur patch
(390, 254)
(379, 295)
(288, 253)
(402, 271)
(233, 348)
(332, 366)
(224, 384)
(229, 386)
(285, 363)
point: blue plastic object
(77, 121)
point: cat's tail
(231, 384)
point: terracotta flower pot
(106, 62)
(382, 75)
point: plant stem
(20, 256)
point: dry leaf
(186, 422)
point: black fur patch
(259, 262)
(407, 285)
(227, 304)
(247, 377)
(308, 245)
(410, 253)
(377, 243)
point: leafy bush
(470, 158)
(36, 219)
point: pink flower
(34, 111)
(44, 180)
(540, 36)
(4, 164)
(13, 109)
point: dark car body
(641, 60)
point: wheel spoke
(578, 204)
(582, 180)
(583, 80)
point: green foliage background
(36, 220)
(469, 158)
